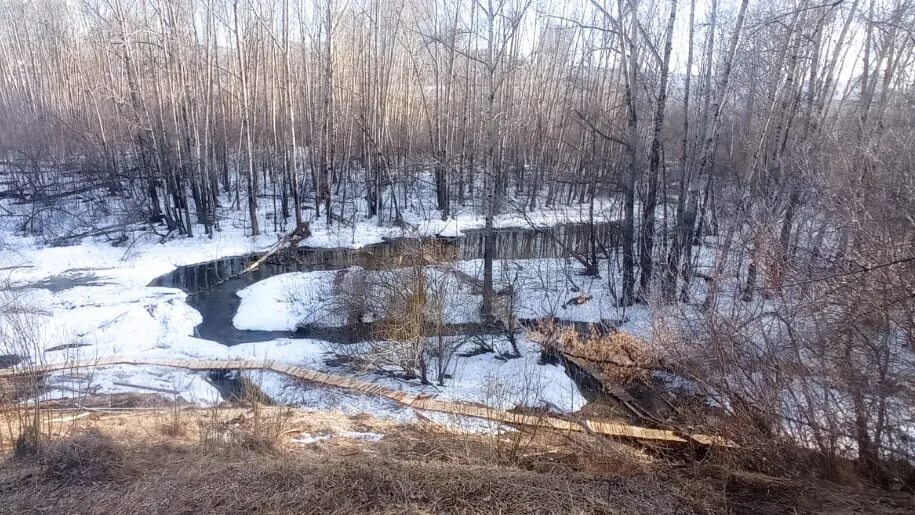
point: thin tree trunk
(647, 233)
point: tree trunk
(649, 203)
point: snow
(427, 222)
(307, 439)
(92, 300)
(467, 425)
(543, 288)
(511, 383)
(290, 392)
(483, 378)
(287, 301)
(364, 436)
(191, 387)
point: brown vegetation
(792, 180)
(402, 311)
(619, 356)
(113, 464)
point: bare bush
(23, 336)
(404, 314)
(822, 357)
(259, 429)
(21, 343)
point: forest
(729, 184)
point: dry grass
(260, 429)
(173, 480)
(87, 457)
(414, 469)
(619, 356)
(123, 464)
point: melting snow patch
(284, 302)
(466, 425)
(307, 439)
(365, 437)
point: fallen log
(578, 300)
(620, 394)
(298, 234)
(606, 428)
(144, 387)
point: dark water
(64, 281)
(212, 286)
(554, 242)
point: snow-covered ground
(543, 287)
(92, 300)
(284, 302)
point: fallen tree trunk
(292, 239)
(606, 428)
(145, 387)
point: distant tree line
(301, 103)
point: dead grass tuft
(171, 423)
(28, 442)
(86, 457)
(259, 429)
(620, 356)
(172, 428)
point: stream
(212, 286)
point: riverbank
(92, 300)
